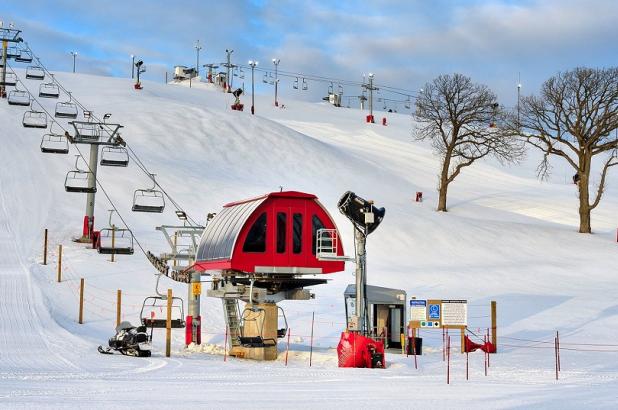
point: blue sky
(405, 43)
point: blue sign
(418, 303)
(434, 311)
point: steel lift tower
(7, 35)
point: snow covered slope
(507, 237)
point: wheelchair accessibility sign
(434, 311)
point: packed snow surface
(507, 237)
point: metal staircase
(232, 320)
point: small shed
(386, 308)
(271, 234)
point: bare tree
(574, 118)
(459, 117)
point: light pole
(370, 87)
(518, 97)
(253, 64)
(197, 63)
(276, 62)
(74, 54)
(132, 66)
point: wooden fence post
(81, 301)
(59, 263)
(45, 248)
(113, 242)
(118, 306)
(494, 325)
(168, 325)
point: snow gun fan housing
(364, 216)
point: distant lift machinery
(52, 143)
(19, 97)
(66, 109)
(34, 118)
(114, 240)
(34, 72)
(114, 156)
(148, 200)
(49, 90)
(153, 313)
(77, 180)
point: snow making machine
(262, 251)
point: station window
(282, 219)
(316, 224)
(256, 238)
(297, 233)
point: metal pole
(132, 66)
(360, 282)
(197, 63)
(92, 182)
(113, 242)
(253, 64)
(194, 307)
(276, 62)
(371, 96)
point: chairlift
(271, 79)
(256, 314)
(407, 104)
(265, 78)
(52, 143)
(19, 97)
(305, 85)
(66, 109)
(49, 90)
(295, 84)
(148, 200)
(153, 313)
(10, 79)
(114, 240)
(86, 131)
(112, 156)
(12, 52)
(331, 89)
(34, 119)
(24, 56)
(340, 89)
(241, 73)
(79, 180)
(35, 73)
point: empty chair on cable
(35, 73)
(52, 143)
(66, 110)
(49, 90)
(25, 56)
(79, 180)
(34, 119)
(114, 157)
(152, 317)
(19, 97)
(114, 240)
(148, 200)
(12, 52)
(10, 79)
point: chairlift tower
(94, 134)
(7, 35)
(371, 88)
(229, 66)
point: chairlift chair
(24, 56)
(148, 200)
(49, 90)
(113, 240)
(265, 78)
(10, 79)
(114, 156)
(35, 73)
(54, 144)
(340, 89)
(66, 109)
(78, 180)
(305, 85)
(19, 97)
(13, 52)
(241, 73)
(259, 340)
(152, 314)
(330, 89)
(34, 119)
(295, 84)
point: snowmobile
(129, 340)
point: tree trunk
(443, 189)
(584, 196)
